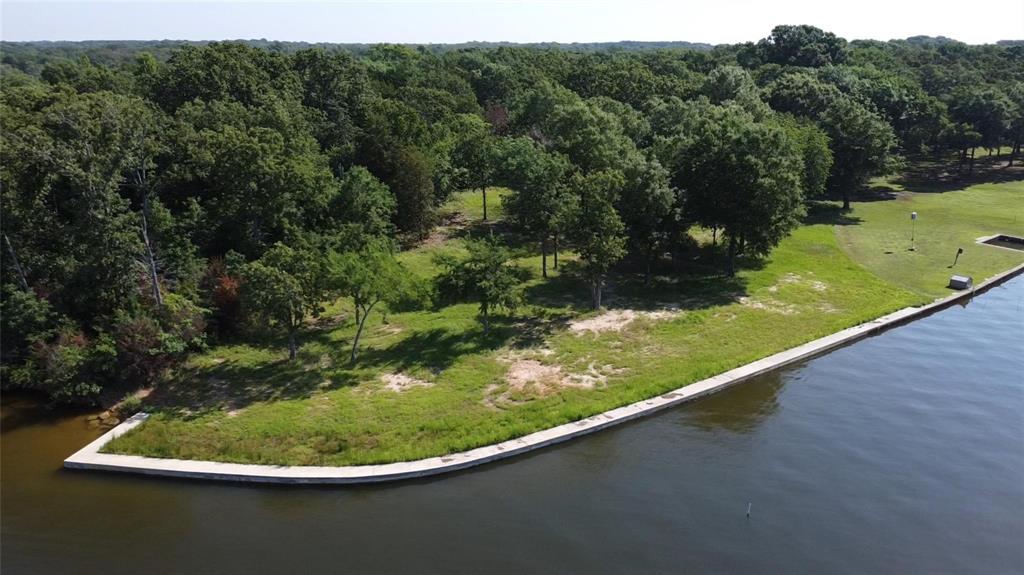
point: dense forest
(160, 197)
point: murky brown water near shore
(903, 453)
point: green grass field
(429, 382)
(881, 240)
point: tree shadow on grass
(437, 349)
(686, 292)
(870, 194)
(565, 290)
(829, 213)
(233, 386)
(942, 176)
(698, 285)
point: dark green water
(903, 453)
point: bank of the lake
(898, 454)
(429, 383)
(91, 458)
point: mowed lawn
(881, 238)
(429, 382)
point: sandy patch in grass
(826, 308)
(399, 382)
(768, 304)
(528, 379)
(530, 372)
(792, 278)
(389, 329)
(593, 376)
(775, 306)
(618, 319)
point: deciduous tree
(283, 287)
(370, 276)
(486, 276)
(596, 230)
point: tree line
(154, 205)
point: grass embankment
(459, 390)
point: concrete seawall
(89, 457)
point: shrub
(128, 406)
(72, 368)
(148, 345)
(223, 294)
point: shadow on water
(28, 409)
(740, 409)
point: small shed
(961, 282)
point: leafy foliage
(597, 229)
(283, 287)
(370, 276)
(136, 179)
(486, 276)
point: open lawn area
(430, 383)
(881, 238)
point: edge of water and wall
(89, 457)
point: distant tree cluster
(158, 195)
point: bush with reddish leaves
(223, 294)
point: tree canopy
(161, 195)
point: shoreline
(90, 458)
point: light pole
(913, 224)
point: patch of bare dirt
(450, 223)
(618, 319)
(528, 379)
(792, 278)
(329, 321)
(389, 329)
(399, 382)
(826, 308)
(530, 372)
(769, 304)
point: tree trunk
(846, 208)
(17, 266)
(486, 318)
(356, 307)
(731, 266)
(647, 266)
(970, 165)
(595, 292)
(292, 348)
(544, 257)
(150, 258)
(555, 252)
(359, 331)
(484, 191)
(714, 237)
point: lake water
(902, 453)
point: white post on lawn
(913, 224)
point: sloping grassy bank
(430, 383)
